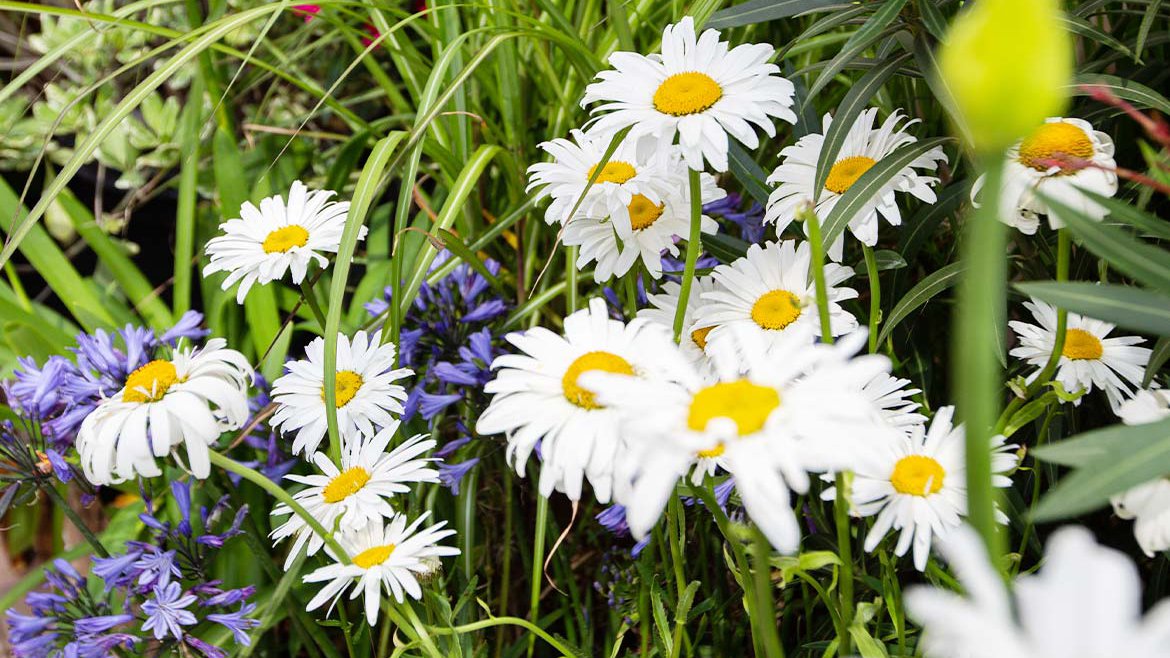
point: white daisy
(769, 291)
(265, 242)
(700, 89)
(663, 306)
(918, 485)
(1089, 358)
(1147, 504)
(1085, 602)
(538, 396)
(864, 147)
(389, 558)
(1059, 159)
(165, 403)
(646, 229)
(769, 417)
(354, 496)
(892, 398)
(366, 393)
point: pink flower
(372, 31)
(308, 10)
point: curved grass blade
(1134, 92)
(759, 11)
(921, 293)
(1124, 306)
(874, 29)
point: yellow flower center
(917, 475)
(154, 378)
(1053, 141)
(687, 93)
(700, 337)
(717, 451)
(346, 484)
(1081, 345)
(347, 385)
(614, 171)
(603, 361)
(643, 211)
(283, 239)
(372, 557)
(745, 403)
(845, 173)
(776, 309)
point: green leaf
(874, 29)
(1124, 306)
(1083, 449)
(924, 291)
(1158, 359)
(1086, 29)
(759, 11)
(725, 248)
(1144, 222)
(749, 174)
(1134, 92)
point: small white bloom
(191, 399)
(265, 242)
(389, 559)
(864, 147)
(538, 396)
(890, 395)
(1085, 602)
(663, 306)
(1147, 504)
(1089, 358)
(917, 485)
(354, 496)
(701, 90)
(1049, 161)
(366, 394)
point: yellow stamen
(283, 239)
(372, 557)
(603, 361)
(1081, 345)
(614, 171)
(346, 484)
(717, 451)
(1053, 141)
(776, 309)
(687, 93)
(150, 382)
(846, 171)
(700, 336)
(348, 384)
(644, 212)
(745, 403)
(917, 475)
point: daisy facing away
(865, 146)
(389, 559)
(1060, 159)
(700, 89)
(265, 242)
(366, 393)
(1085, 601)
(189, 399)
(1147, 504)
(769, 291)
(538, 397)
(354, 496)
(1089, 359)
(917, 485)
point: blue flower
(749, 221)
(156, 568)
(450, 475)
(187, 327)
(165, 613)
(117, 570)
(237, 622)
(100, 624)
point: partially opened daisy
(277, 237)
(1084, 602)
(770, 291)
(354, 496)
(1147, 504)
(366, 393)
(188, 399)
(389, 559)
(917, 485)
(769, 416)
(537, 396)
(1089, 358)
(865, 146)
(1060, 159)
(663, 306)
(700, 89)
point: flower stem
(537, 567)
(694, 241)
(75, 518)
(845, 551)
(875, 296)
(505, 621)
(764, 605)
(809, 216)
(313, 303)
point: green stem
(764, 605)
(505, 621)
(875, 296)
(675, 523)
(694, 241)
(816, 243)
(537, 567)
(74, 518)
(845, 551)
(421, 631)
(571, 301)
(313, 303)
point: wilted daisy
(1085, 601)
(770, 291)
(191, 399)
(538, 396)
(1059, 159)
(354, 496)
(1089, 359)
(1147, 504)
(366, 394)
(389, 559)
(265, 242)
(917, 485)
(769, 416)
(700, 89)
(865, 146)
(663, 306)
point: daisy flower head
(769, 291)
(891, 396)
(538, 396)
(917, 485)
(662, 308)
(1085, 601)
(188, 399)
(355, 495)
(265, 242)
(866, 144)
(366, 393)
(1089, 359)
(700, 89)
(1061, 159)
(770, 415)
(388, 558)
(1147, 504)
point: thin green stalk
(505, 621)
(571, 287)
(674, 529)
(875, 296)
(845, 551)
(421, 632)
(74, 518)
(763, 604)
(537, 567)
(693, 246)
(816, 242)
(310, 295)
(343, 618)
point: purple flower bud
(187, 327)
(450, 475)
(95, 625)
